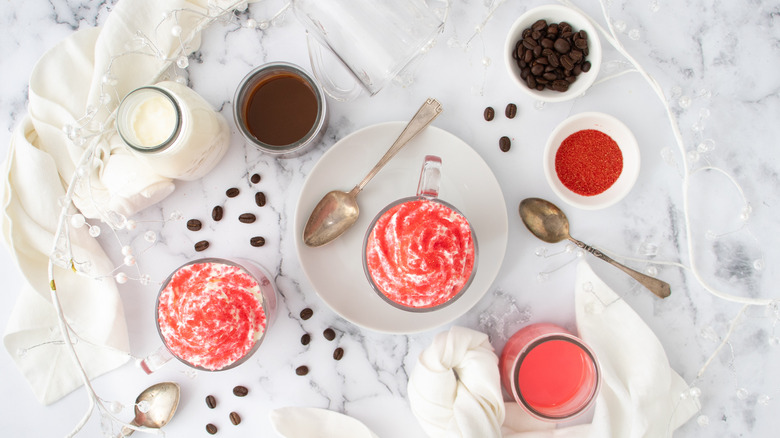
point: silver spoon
(547, 222)
(162, 399)
(338, 210)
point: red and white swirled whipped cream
(211, 314)
(420, 253)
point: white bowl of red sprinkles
(591, 160)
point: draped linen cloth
(86, 74)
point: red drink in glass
(550, 372)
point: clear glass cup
(550, 372)
(260, 77)
(437, 243)
(374, 39)
(266, 291)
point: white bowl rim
(619, 132)
(583, 82)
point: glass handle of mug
(320, 72)
(430, 177)
(155, 360)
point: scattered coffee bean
(504, 143)
(211, 402)
(232, 192)
(217, 212)
(211, 429)
(202, 245)
(305, 339)
(255, 178)
(551, 55)
(338, 353)
(260, 199)
(235, 418)
(306, 313)
(257, 241)
(240, 391)
(247, 218)
(489, 113)
(329, 334)
(302, 370)
(194, 225)
(511, 111)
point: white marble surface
(717, 63)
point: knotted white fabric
(454, 391)
(73, 80)
(640, 396)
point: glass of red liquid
(550, 372)
(420, 253)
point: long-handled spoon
(338, 210)
(547, 222)
(161, 401)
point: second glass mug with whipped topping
(420, 252)
(212, 314)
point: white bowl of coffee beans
(553, 53)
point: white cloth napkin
(294, 422)
(640, 394)
(67, 83)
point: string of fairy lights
(91, 130)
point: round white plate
(336, 269)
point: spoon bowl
(338, 210)
(548, 222)
(161, 401)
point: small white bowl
(619, 133)
(554, 14)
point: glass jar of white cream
(173, 130)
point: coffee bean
(211, 429)
(551, 52)
(306, 313)
(338, 353)
(194, 225)
(257, 241)
(235, 418)
(247, 218)
(489, 113)
(255, 178)
(211, 402)
(562, 46)
(217, 212)
(305, 339)
(232, 192)
(329, 334)
(511, 111)
(202, 245)
(260, 199)
(302, 370)
(504, 143)
(240, 391)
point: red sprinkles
(588, 162)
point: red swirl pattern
(211, 314)
(420, 253)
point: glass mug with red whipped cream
(212, 314)
(420, 252)
(550, 372)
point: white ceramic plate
(628, 147)
(336, 271)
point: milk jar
(173, 130)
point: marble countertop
(717, 65)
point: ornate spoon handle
(656, 286)
(424, 116)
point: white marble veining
(717, 64)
